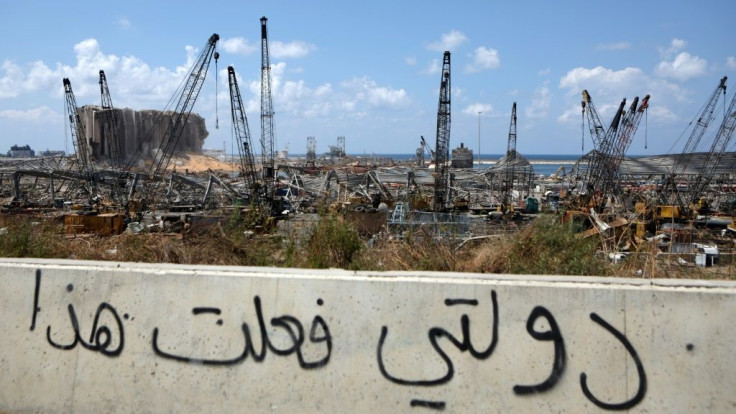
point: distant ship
(462, 157)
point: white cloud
(43, 114)
(613, 46)
(544, 72)
(608, 87)
(434, 67)
(448, 41)
(474, 108)
(295, 49)
(661, 114)
(410, 60)
(10, 83)
(599, 77)
(238, 46)
(367, 90)
(483, 59)
(675, 46)
(541, 102)
(685, 66)
(731, 62)
(124, 22)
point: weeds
(334, 243)
(546, 246)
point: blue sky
(369, 71)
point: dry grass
(545, 247)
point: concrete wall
(91, 337)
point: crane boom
(508, 183)
(190, 92)
(599, 164)
(628, 128)
(720, 143)
(242, 132)
(442, 147)
(267, 134)
(701, 125)
(597, 132)
(110, 126)
(668, 192)
(511, 147)
(79, 135)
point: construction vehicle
(442, 196)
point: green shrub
(549, 246)
(334, 243)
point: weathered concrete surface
(157, 338)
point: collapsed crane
(193, 85)
(267, 134)
(442, 147)
(85, 165)
(242, 133)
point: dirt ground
(200, 163)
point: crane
(510, 159)
(599, 163)
(311, 151)
(79, 138)
(242, 132)
(110, 126)
(668, 193)
(427, 148)
(442, 146)
(267, 134)
(193, 85)
(712, 159)
(629, 126)
(597, 132)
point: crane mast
(109, 125)
(511, 160)
(311, 151)
(442, 147)
(242, 132)
(628, 128)
(79, 136)
(720, 143)
(669, 192)
(194, 81)
(597, 132)
(701, 125)
(599, 163)
(267, 134)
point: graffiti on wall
(106, 335)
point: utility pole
(479, 112)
